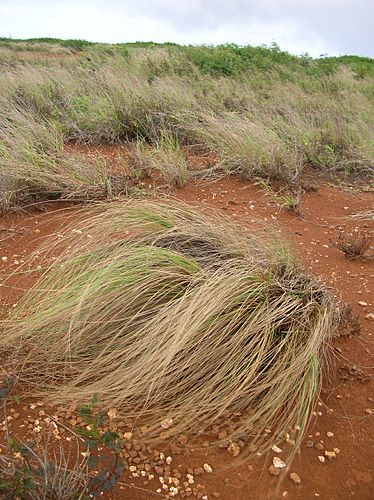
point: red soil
(344, 406)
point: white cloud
(333, 26)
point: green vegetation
(167, 313)
(34, 469)
(259, 111)
(43, 43)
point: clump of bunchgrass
(174, 315)
(166, 159)
(355, 244)
(246, 146)
(34, 165)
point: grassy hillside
(259, 111)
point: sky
(315, 27)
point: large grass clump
(174, 315)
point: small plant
(26, 472)
(291, 202)
(287, 201)
(355, 245)
(110, 465)
(30, 470)
(165, 158)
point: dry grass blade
(364, 215)
(165, 312)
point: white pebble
(207, 468)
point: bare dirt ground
(344, 419)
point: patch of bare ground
(336, 457)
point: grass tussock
(173, 315)
(34, 165)
(166, 159)
(355, 245)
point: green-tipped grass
(166, 159)
(165, 312)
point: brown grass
(355, 245)
(170, 314)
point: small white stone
(278, 463)
(207, 468)
(112, 413)
(276, 449)
(168, 422)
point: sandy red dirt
(344, 406)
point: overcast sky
(313, 26)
